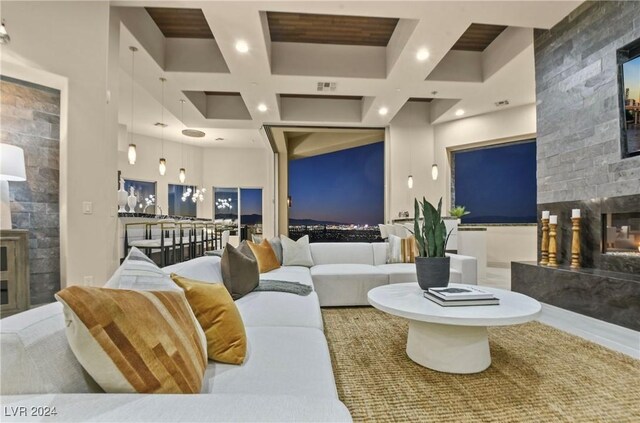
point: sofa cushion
(298, 274)
(219, 318)
(346, 284)
(380, 251)
(172, 408)
(138, 271)
(280, 309)
(280, 361)
(342, 253)
(134, 341)
(36, 356)
(204, 269)
(296, 253)
(406, 272)
(400, 272)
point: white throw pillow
(296, 253)
(394, 250)
(139, 272)
(384, 233)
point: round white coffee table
(451, 339)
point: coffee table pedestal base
(449, 348)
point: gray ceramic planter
(432, 272)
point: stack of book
(458, 297)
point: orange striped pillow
(135, 341)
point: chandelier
(197, 195)
(223, 203)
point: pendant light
(434, 166)
(162, 165)
(132, 154)
(183, 173)
(410, 181)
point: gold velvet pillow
(135, 341)
(219, 317)
(265, 255)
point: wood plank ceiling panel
(325, 97)
(330, 29)
(478, 37)
(180, 23)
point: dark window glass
(497, 184)
(180, 201)
(145, 192)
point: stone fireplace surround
(606, 287)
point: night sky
(251, 200)
(498, 184)
(346, 186)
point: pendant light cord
(162, 80)
(133, 52)
(181, 140)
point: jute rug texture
(538, 374)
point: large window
(225, 204)
(338, 196)
(497, 183)
(145, 192)
(180, 202)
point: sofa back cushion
(380, 252)
(36, 357)
(203, 269)
(342, 253)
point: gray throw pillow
(240, 272)
(276, 244)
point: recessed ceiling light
(219, 139)
(160, 124)
(383, 111)
(262, 107)
(459, 112)
(242, 46)
(194, 133)
(422, 54)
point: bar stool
(186, 227)
(165, 242)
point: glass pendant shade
(410, 181)
(434, 171)
(162, 167)
(132, 155)
(183, 175)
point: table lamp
(11, 169)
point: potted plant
(432, 266)
(458, 212)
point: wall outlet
(87, 207)
(88, 281)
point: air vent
(194, 133)
(326, 86)
(219, 139)
(160, 125)
(502, 103)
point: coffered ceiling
(352, 63)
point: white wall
(146, 167)
(71, 39)
(410, 151)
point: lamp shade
(12, 163)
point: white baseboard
(618, 338)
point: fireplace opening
(621, 234)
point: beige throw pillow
(296, 253)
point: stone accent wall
(30, 119)
(578, 115)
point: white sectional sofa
(287, 375)
(343, 273)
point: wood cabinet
(14, 271)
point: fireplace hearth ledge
(613, 297)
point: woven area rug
(538, 374)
